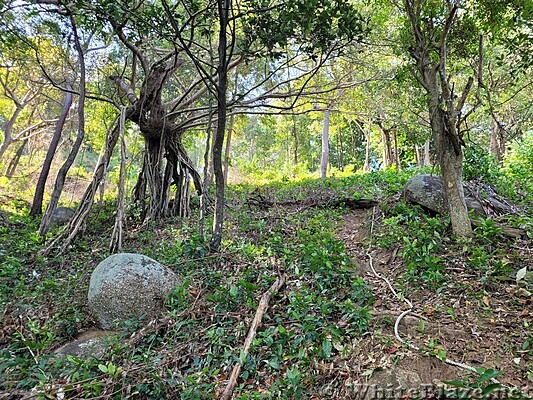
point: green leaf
(491, 389)
(242, 357)
(102, 368)
(273, 364)
(488, 374)
(248, 285)
(327, 347)
(293, 374)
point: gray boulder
(129, 287)
(62, 216)
(93, 343)
(428, 191)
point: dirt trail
(485, 331)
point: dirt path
(484, 331)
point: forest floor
(476, 324)
(330, 331)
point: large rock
(129, 287)
(62, 216)
(428, 191)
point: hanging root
(78, 221)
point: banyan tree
(177, 61)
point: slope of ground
(328, 333)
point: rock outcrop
(62, 216)
(428, 191)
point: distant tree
(63, 171)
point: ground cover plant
(330, 328)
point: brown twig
(261, 309)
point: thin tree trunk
(228, 147)
(497, 144)
(366, 167)
(396, 151)
(418, 156)
(63, 171)
(387, 146)
(116, 238)
(427, 155)
(231, 124)
(341, 151)
(324, 160)
(8, 139)
(206, 182)
(79, 219)
(218, 143)
(37, 205)
(16, 159)
(296, 142)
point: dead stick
(261, 309)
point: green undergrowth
(429, 250)
(376, 185)
(312, 322)
(321, 308)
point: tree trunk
(218, 143)
(8, 139)
(37, 205)
(497, 141)
(451, 164)
(228, 147)
(388, 160)
(427, 155)
(155, 148)
(116, 237)
(16, 159)
(63, 171)
(296, 142)
(366, 167)
(79, 219)
(324, 160)
(444, 108)
(418, 156)
(207, 181)
(396, 151)
(341, 151)
(231, 124)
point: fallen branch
(515, 233)
(263, 203)
(261, 309)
